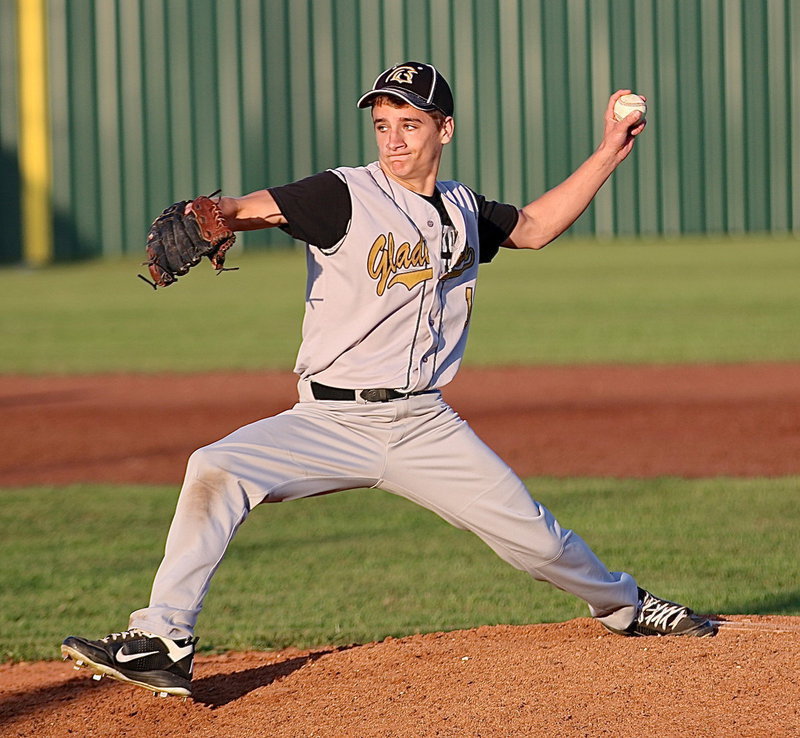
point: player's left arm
(547, 217)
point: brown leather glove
(178, 240)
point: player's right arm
(295, 208)
(251, 212)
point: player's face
(410, 144)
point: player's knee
(550, 538)
(209, 485)
(526, 553)
(523, 529)
(548, 546)
(207, 464)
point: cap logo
(404, 75)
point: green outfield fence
(138, 103)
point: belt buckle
(378, 395)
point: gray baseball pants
(417, 447)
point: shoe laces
(124, 635)
(660, 613)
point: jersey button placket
(432, 235)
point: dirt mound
(567, 679)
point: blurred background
(112, 109)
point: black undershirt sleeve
(496, 221)
(318, 211)
(317, 208)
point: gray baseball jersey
(387, 308)
(390, 304)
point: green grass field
(574, 302)
(362, 565)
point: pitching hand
(619, 135)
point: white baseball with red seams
(628, 104)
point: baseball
(627, 104)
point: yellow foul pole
(34, 134)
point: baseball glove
(178, 240)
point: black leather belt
(323, 392)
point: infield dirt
(566, 679)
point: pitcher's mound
(566, 679)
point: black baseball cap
(417, 83)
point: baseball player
(393, 259)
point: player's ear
(447, 130)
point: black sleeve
(496, 220)
(318, 208)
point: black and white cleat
(155, 663)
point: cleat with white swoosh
(161, 665)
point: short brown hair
(437, 115)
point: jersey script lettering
(386, 262)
